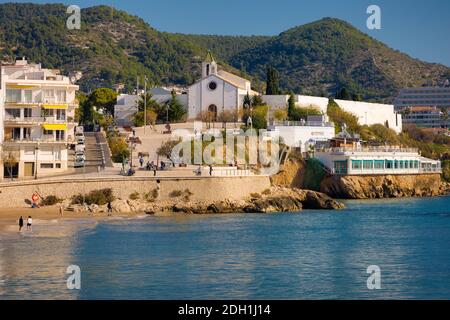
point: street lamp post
(145, 102)
(36, 151)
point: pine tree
(291, 106)
(176, 109)
(273, 82)
(247, 101)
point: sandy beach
(9, 216)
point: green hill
(321, 57)
(114, 47)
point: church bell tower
(209, 65)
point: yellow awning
(54, 126)
(20, 86)
(55, 106)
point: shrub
(50, 200)
(139, 118)
(187, 195)
(151, 196)
(255, 195)
(119, 149)
(99, 197)
(134, 196)
(280, 114)
(175, 194)
(266, 192)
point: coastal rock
(317, 200)
(274, 204)
(382, 186)
(121, 206)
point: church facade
(216, 92)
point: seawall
(17, 194)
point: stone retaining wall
(16, 194)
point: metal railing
(302, 124)
(36, 140)
(35, 119)
(369, 149)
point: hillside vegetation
(115, 47)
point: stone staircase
(96, 152)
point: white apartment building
(37, 120)
(423, 97)
(303, 134)
(367, 113)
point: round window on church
(212, 86)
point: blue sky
(416, 27)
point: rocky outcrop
(383, 186)
(291, 174)
(275, 199)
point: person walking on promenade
(210, 170)
(61, 210)
(141, 161)
(20, 223)
(109, 208)
(30, 224)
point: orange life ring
(35, 197)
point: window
(60, 135)
(13, 95)
(389, 164)
(212, 85)
(378, 164)
(48, 94)
(58, 166)
(357, 164)
(46, 165)
(27, 112)
(27, 133)
(48, 132)
(60, 114)
(340, 167)
(368, 164)
(12, 113)
(61, 95)
(28, 95)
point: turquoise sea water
(310, 255)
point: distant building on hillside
(125, 108)
(127, 104)
(303, 134)
(367, 113)
(424, 97)
(426, 117)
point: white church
(217, 91)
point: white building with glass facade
(376, 161)
(37, 120)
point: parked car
(79, 163)
(80, 148)
(80, 139)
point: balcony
(34, 120)
(42, 139)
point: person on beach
(20, 223)
(29, 224)
(61, 210)
(109, 206)
(210, 170)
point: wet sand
(9, 217)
